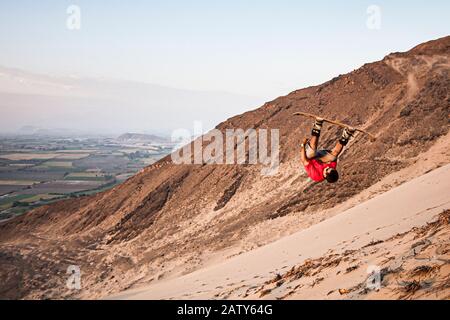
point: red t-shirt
(315, 168)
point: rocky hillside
(170, 219)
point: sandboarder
(321, 164)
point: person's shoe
(346, 135)
(318, 123)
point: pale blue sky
(259, 48)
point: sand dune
(193, 231)
(397, 211)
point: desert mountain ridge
(170, 220)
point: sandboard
(338, 123)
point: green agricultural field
(101, 188)
(18, 182)
(72, 156)
(40, 197)
(11, 212)
(86, 176)
(57, 164)
(11, 200)
(77, 151)
(128, 151)
(21, 165)
(38, 170)
(28, 156)
(5, 206)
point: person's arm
(303, 157)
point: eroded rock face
(172, 212)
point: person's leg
(310, 152)
(337, 149)
(311, 146)
(314, 142)
(347, 133)
(315, 133)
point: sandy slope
(172, 220)
(412, 204)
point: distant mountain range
(61, 132)
(109, 106)
(39, 131)
(142, 137)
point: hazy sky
(260, 48)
